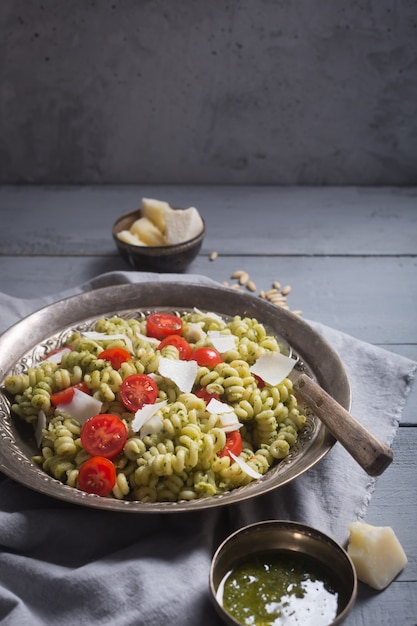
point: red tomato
(161, 325)
(137, 390)
(233, 444)
(259, 381)
(180, 343)
(97, 475)
(206, 395)
(207, 357)
(66, 395)
(104, 435)
(116, 356)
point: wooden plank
(278, 221)
(397, 604)
(359, 295)
(394, 501)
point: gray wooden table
(349, 254)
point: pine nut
(213, 255)
(278, 299)
(238, 273)
(297, 312)
(285, 290)
(262, 295)
(276, 284)
(236, 287)
(271, 292)
(251, 286)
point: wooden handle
(371, 454)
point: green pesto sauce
(279, 588)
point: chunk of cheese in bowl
(162, 225)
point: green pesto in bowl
(282, 572)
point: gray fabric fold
(67, 565)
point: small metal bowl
(286, 540)
(172, 258)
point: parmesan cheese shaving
(273, 367)
(231, 426)
(227, 416)
(182, 373)
(143, 415)
(217, 407)
(153, 426)
(56, 357)
(82, 406)
(194, 332)
(104, 337)
(151, 340)
(211, 315)
(221, 342)
(244, 466)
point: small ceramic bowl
(283, 571)
(172, 258)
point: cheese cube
(128, 237)
(182, 225)
(376, 553)
(147, 232)
(156, 210)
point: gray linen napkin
(67, 565)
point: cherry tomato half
(233, 444)
(184, 348)
(103, 435)
(66, 395)
(160, 325)
(137, 390)
(97, 475)
(116, 356)
(207, 357)
(206, 395)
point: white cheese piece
(230, 422)
(143, 415)
(273, 367)
(222, 343)
(130, 238)
(151, 340)
(376, 553)
(218, 408)
(82, 406)
(247, 469)
(227, 416)
(41, 424)
(182, 373)
(147, 232)
(155, 210)
(194, 333)
(95, 336)
(56, 357)
(182, 225)
(152, 427)
(213, 316)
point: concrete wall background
(247, 91)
